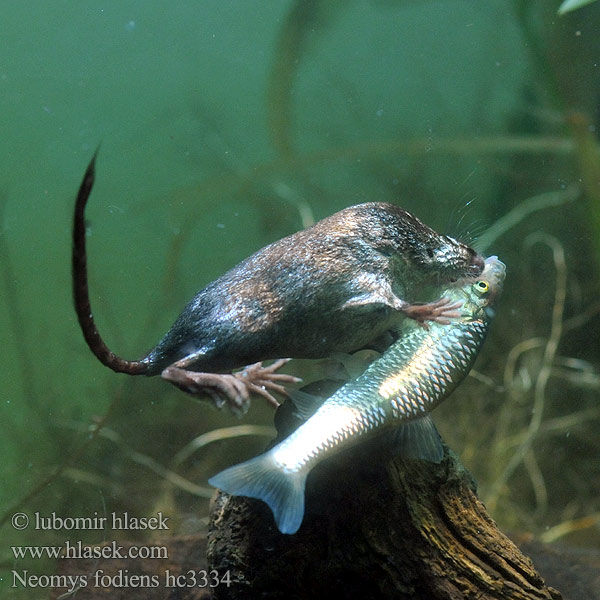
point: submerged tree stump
(375, 526)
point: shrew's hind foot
(232, 389)
(260, 380)
(440, 311)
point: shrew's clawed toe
(261, 380)
(223, 388)
(233, 389)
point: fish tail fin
(261, 478)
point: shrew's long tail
(81, 295)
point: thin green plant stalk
(70, 460)
(545, 370)
(587, 151)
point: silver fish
(396, 391)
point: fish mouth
(494, 271)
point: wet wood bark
(376, 526)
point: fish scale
(396, 392)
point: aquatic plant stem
(546, 367)
(588, 157)
(419, 146)
(17, 321)
(504, 420)
(300, 22)
(148, 462)
(536, 477)
(216, 435)
(69, 460)
(522, 211)
(562, 529)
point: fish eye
(481, 287)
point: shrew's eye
(481, 287)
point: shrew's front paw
(440, 311)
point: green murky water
(226, 125)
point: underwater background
(224, 126)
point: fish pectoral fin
(306, 404)
(356, 363)
(261, 478)
(419, 438)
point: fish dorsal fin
(306, 404)
(419, 438)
